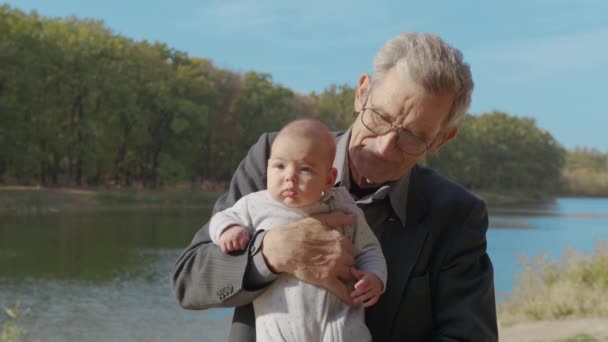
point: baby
(300, 177)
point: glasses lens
(407, 142)
(374, 122)
(411, 144)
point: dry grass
(586, 182)
(575, 287)
(11, 329)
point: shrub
(576, 286)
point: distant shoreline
(40, 200)
(37, 200)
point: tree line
(83, 106)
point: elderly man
(432, 231)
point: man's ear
(362, 89)
(443, 139)
(331, 177)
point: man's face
(376, 159)
(299, 171)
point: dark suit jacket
(440, 278)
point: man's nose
(387, 143)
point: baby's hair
(310, 129)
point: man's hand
(367, 289)
(313, 251)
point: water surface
(105, 276)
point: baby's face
(299, 171)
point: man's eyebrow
(380, 109)
(373, 107)
(420, 134)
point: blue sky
(546, 59)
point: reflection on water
(548, 228)
(105, 276)
(132, 308)
(102, 277)
(92, 247)
(509, 222)
(531, 212)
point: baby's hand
(234, 238)
(367, 289)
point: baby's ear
(331, 177)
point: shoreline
(33, 200)
(18, 199)
(575, 329)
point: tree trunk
(70, 144)
(80, 142)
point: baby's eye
(279, 166)
(306, 169)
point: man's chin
(368, 182)
(368, 177)
(375, 179)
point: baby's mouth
(288, 193)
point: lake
(104, 276)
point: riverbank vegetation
(586, 173)
(11, 329)
(84, 107)
(574, 287)
(36, 200)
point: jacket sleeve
(203, 276)
(368, 251)
(464, 303)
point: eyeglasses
(380, 124)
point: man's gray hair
(433, 64)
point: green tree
(497, 151)
(336, 106)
